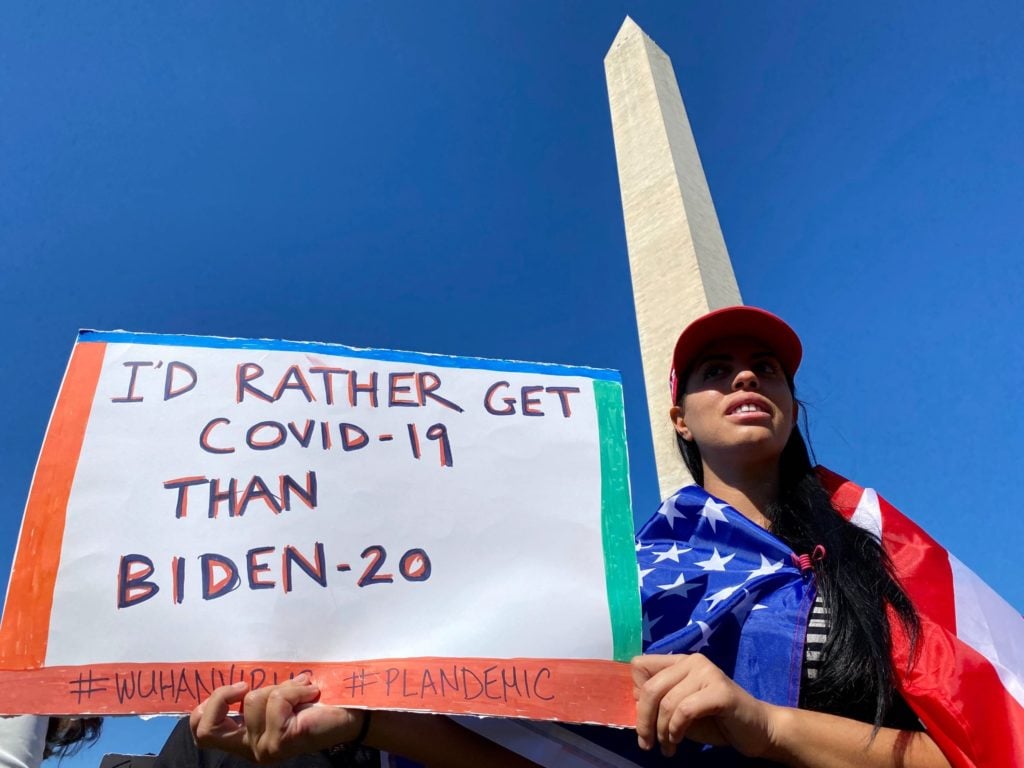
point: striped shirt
(818, 626)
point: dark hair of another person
(855, 578)
(67, 735)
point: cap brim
(750, 322)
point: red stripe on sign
(26, 621)
(569, 690)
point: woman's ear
(679, 422)
(796, 412)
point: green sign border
(617, 522)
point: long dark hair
(855, 578)
(67, 735)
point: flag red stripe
(922, 563)
(954, 689)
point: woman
(735, 413)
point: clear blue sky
(441, 177)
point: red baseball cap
(735, 321)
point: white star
(720, 595)
(712, 512)
(642, 573)
(640, 547)
(672, 553)
(678, 587)
(744, 606)
(765, 569)
(758, 607)
(649, 625)
(705, 633)
(716, 562)
(669, 511)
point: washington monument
(677, 255)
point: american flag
(713, 582)
(967, 684)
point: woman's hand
(276, 722)
(688, 697)
(281, 722)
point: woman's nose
(745, 380)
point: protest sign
(418, 531)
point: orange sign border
(26, 621)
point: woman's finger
(254, 717)
(675, 697)
(653, 691)
(283, 704)
(285, 701)
(643, 668)
(210, 722)
(692, 717)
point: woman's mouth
(747, 408)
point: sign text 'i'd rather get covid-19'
(261, 502)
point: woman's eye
(767, 367)
(714, 371)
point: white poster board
(212, 509)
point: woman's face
(737, 403)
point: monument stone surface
(677, 256)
